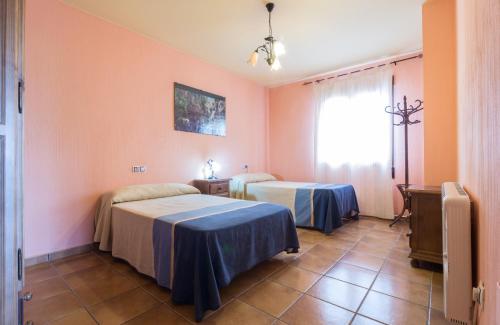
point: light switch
(138, 169)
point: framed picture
(199, 111)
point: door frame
(11, 168)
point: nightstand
(217, 187)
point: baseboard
(58, 255)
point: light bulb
(216, 166)
(253, 58)
(276, 65)
(279, 48)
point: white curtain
(353, 137)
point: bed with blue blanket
(313, 205)
(191, 243)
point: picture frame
(199, 111)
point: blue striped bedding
(197, 252)
(322, 206)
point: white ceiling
(319, 35)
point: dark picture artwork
(199, 111)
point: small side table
(217, 187)
(426, 228)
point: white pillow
(254, 177)
(151, 191)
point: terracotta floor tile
(392, 310)
(401, 227)
(106, 256)
(399, 255)
(437, 279)
(350, 236)
(326, 252)
(343, 236)
(353, 232)
(437, 318)
(89, 275)
(271, 297)
(384, 226)
(361, 320)
(437, 299)
(158, 315)
(160, 293)
(311, 236)
(274, 287)
(45, 310)
(352, 274)
(240, 284)
(123, 307)
(353, 224)
(365, 248)
(285, 257)
(77, 263)
(338, 292)
(384, 234)
(40, 272)
(378, 242)
(338, 243)
(304, 247)
(266, 268)
(309, 310)
(313, 263)
(402, 243)
(367, 223)
(407, 272)
(46, 289)
(131, 272)
(296, 278)
(98, 284)
(238, 313)
(396, 287)
(187, 311)
(80, 317)
(366, 261)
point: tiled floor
(358, 275)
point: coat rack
(405, 114)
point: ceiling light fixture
(272, 47)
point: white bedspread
(132, 225)
(278, 192)
(103, 217)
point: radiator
(457, 268)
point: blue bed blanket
(322, 206)
(198, 252)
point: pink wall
(478, 57)
(99, 100)
(291, 128)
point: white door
(11, 58)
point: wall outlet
(245, 167)
(138, 169)
(478, 294)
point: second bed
(313, 205)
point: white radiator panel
(457, 268)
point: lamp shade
(276, 65)
(254, 57)
(279, 48)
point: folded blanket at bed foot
(322, 206)
(198, 252)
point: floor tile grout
(363, 233)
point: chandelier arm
(262, 48)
